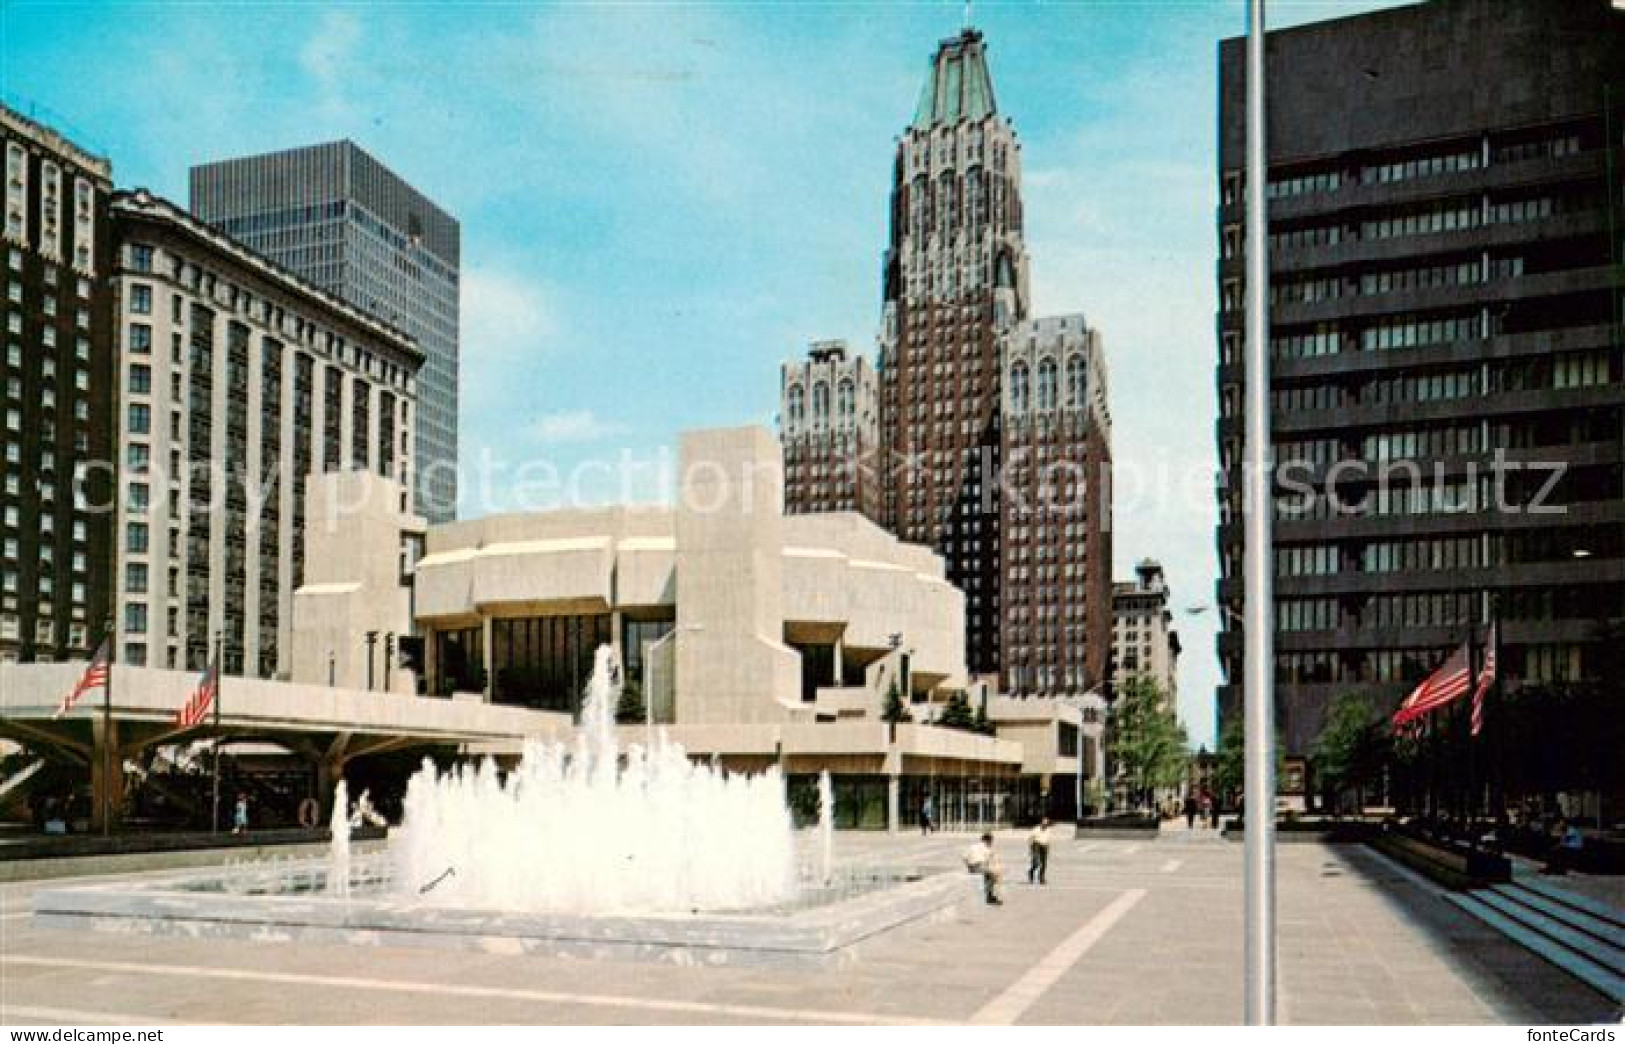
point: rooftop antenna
(967, 13)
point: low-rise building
(750, 636)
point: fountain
(583, 827)
(582, 849)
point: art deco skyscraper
(955, 275)
(994, 433)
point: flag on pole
(1486, 678)
(197, 705)
(1444, 686)
(95, 677)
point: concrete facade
(357, 584)
(752, 636)
(750, 594)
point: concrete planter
(1122, 828)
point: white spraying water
(826, 827)
(584, 827)
(338, 873)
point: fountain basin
(294, 906)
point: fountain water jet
(584, 827)
(826, 828)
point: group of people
(1197, 808)
(982, 858)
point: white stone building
(1144, 642)
(237, 382)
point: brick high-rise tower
(1010, 488)
(955, 275)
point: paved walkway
(1126, 932)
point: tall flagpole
(1259, 625)
(109, 752)
(219, 673)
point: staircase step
(1604, 930)
(1612, 915)
(1610, 984)
(1581, 942)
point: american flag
(1486, 678)
(197, 706)
(1447, 684)
(95, 677)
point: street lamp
(1258, 559)
(372, 643)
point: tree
(981, 723)
(1230, 764)
(1146, 741)
(630, 709)
(896, 711)
(1351, 750)
(957, 713)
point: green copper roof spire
(959, 86)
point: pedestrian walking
(239, 815)
(1190, 811)
(983, 859)
(1038, 852)
(928, 815)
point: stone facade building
(238, 381)
(1144, 642)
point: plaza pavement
(1126, 932)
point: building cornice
(141, 205)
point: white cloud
(508, 322)
(504, 313)
(574, 426)
(329, 59)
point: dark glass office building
(339, 219)
(1446, 216)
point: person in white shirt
(983, 859)
(1038, 852)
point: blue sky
(659, 203)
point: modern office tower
(56, 474)
(1055, 540)
(1445, 210)
(1144, 642)
(952, 445)
(239, 381)
(336, 217)
(830, 418)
